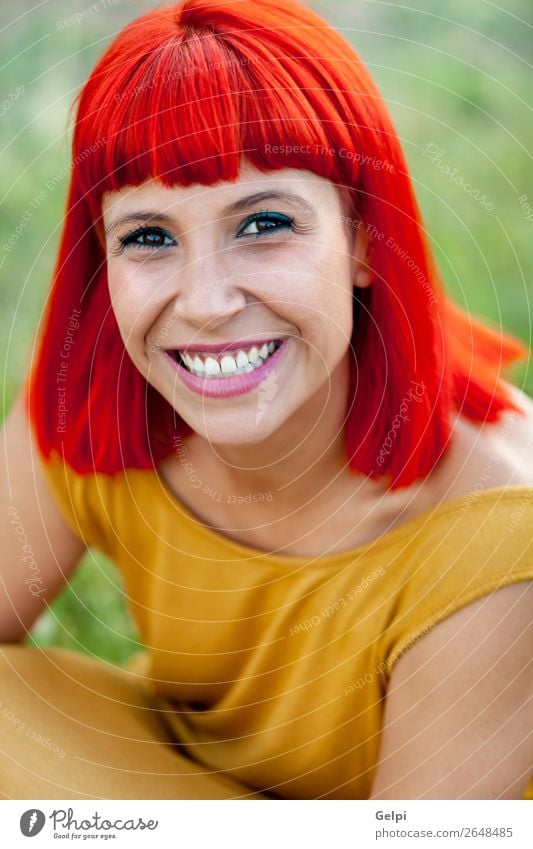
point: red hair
(181, 95)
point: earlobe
(363, 278)
(363, 274)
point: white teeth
(211, 367)
(241, 363)
(228, 365)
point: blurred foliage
(89, 615)
(453, 75)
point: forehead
(316, 190)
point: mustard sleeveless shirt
(272, 667)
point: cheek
(134, 310)
(325, 298)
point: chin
(250, 427)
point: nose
(208, 296)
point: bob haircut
(180, 95)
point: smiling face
(204, 268)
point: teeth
(228, 365)
(198, 364)
(211, 367)
(243, 362)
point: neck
(304, 456)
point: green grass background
(454, 74)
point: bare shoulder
(491, 454)
(515, 430)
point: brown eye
(265, 223)
(156, 239)
(150, 238)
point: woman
(253, 393)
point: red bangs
(189, 109)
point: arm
(458, 717)
(30, 517)
(38, 551)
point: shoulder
(86, 500)
(478, 540)
(487, 455)
(480, 457)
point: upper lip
(243, 345)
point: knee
(12, 655)
(25, 667)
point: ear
(362, 271)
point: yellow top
(273, 667)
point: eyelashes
(131, 239)
(271, 217)
(158, 239)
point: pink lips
(229, 387)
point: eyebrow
(231, 209)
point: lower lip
(229, 387)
